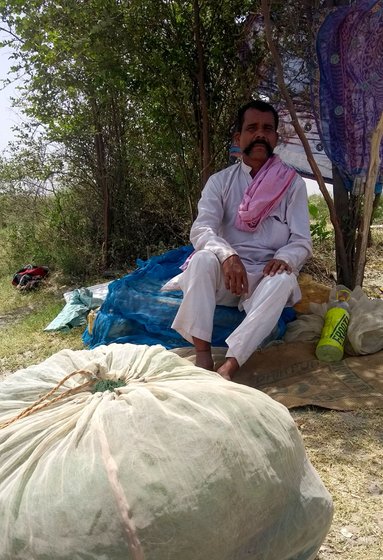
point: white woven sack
(177, 464)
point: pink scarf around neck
(264, 193)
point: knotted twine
(42, 402)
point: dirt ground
(15, 315)
(346, 448)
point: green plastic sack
(175, 463)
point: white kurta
(284, 234)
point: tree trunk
(294, 119)
(373, 170)
(203, 103)
(346, 211)
(102, 182)
(347, 208)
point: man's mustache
(261, 142)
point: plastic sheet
(365, 330)
(137, 311)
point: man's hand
(235, 275)
(276, 266)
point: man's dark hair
(259, 106)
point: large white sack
(179, 465)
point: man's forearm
(203, 237)
(295, 253)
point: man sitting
(251, 238)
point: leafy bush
(319, 215)
(64, 231)
(378, 212)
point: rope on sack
(40, 404)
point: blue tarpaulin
(136, 311)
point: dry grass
(322, 266)
(23, 317)
(346, 448)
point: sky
(9, 116)
(313, 188)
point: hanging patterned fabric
(350, 94)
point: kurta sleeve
(299, 247)
(204, 233)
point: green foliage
(20, 235)
(24, 315)
(319, 214)
(113, 92)
(378, 211)
(319, 202)
(107, 385)
(63, 229)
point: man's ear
(236, 137)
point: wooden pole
(265, 4)
(373, 170)
(201, 79)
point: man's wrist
(229, 257)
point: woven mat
(291, 374)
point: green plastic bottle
(330, 347)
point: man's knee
(285, 278)
(282, 281)
(205, 261)
(204, 270)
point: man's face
(257, 138)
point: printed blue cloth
(136, 311)
(349, 100)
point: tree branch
(265, 6)
(373, 170)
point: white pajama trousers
(203, 288)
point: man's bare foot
(204, 359)
(228, 368)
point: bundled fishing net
(130, 452)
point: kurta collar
(246, 168)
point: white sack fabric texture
(175, 464)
